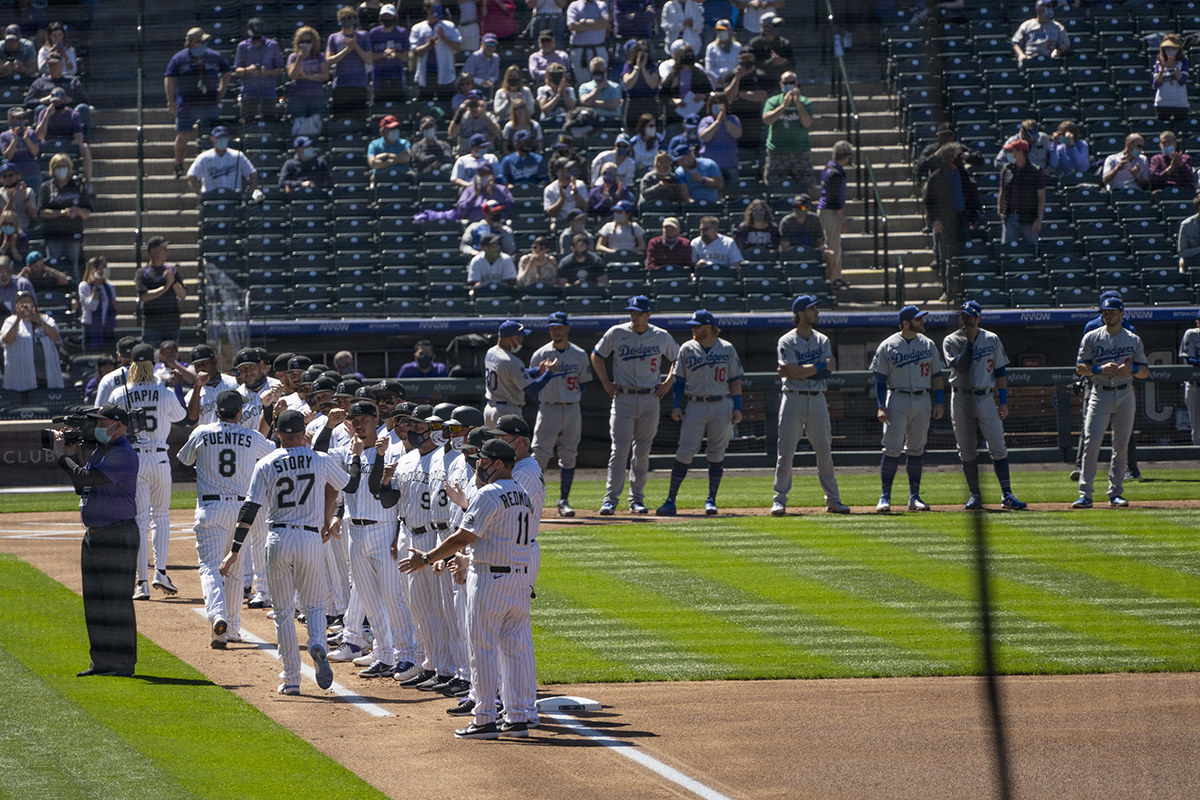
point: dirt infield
(1109, 736)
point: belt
(976, 392)
(709, 398)
(435, 526)
(309, 528)
(560, 404)
(801, 391)
(209, 497)
(149, 449)
(506, 570)
(1115, 388)
(362, 523)
(917, 393)
(500, 403)
(623, 390)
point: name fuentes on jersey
(228, 437)
(292, 461)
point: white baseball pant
(633, 423)
(424, 604)
(377, 584)
(256, 565)
(1116, 406)
(557, 425)
(908, 428)
(153, 497)
(1191, 399)
(804, 413)
(295, 567)
(337, 574)
(502, 654)
(969, 411)
(215, 521)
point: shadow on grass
(161, 681)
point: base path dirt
(1087, 737)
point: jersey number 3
(287, 488)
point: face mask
(688, 61)
(609, 180)
(221, 143)
(349, 26)
(723, 36)
(457, 444)
(305, 47)
(392, 136)
(61, 173)
(309, 152)
(102, 435)
(670, 240)
(429, 133)
(438, 438)
(198, 50)
(1134, 153)
(620, 216)
(622, 149)
(255, 386)
(516, 348)
(789, 86)
(105, 273)
(651, 131)
(8, 230)
(415, 439)
(1169, 52)
(760, 215)
(716, 109)
(598, 75)
(482, 476)
(1049, 12)
(1008, 157)
(1168, 149)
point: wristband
(1003, 395)
(938, 396)
(821, 366)
(737, 402)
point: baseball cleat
(217, 644)
(219, 626)
(1075, 475)
(290, 689)
(1082, 502)
(564, 509)
(454, 687)
(1116, 501)
(365, 660)
(778, 509)
(259, 600)
(419, 677)
(915, 503)
(246, 591)
(710, 506)
(431, 684)
(378, 670)
(834, 508)
(161, 581)
(473, 731)
(884, 505)
(464, 709)
(324, 671)
(667, 509)
(517, 730)
(974, 503)
(406, 670)
(142, 591)
(607, 509)
(1011, 501)
(345, 652)
(1133, 474)
(441, 686)
(635, 507)
(234, 637)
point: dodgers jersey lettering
(208, 398)
(361, 504)
(225, 454)
(505, 377)
(502, 516)
(574, 370)
(420, 480)
(290, 485)
(1099, 348)
(987, 357)
(708, 371)
(637, 357)
(792, 349)
(909, 364)
(161, 405)
(1190, 346)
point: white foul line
(632, 753)
(349, 696)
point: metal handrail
(877, 223)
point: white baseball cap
(388, 10)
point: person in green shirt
(788, 116)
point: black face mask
(415, 439)
(688, 61)
(424, 361)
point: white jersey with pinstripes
(574, 370)
(793, 348)
(501, 515)
(361, 504)
(208, 398)
(252, 408)
(109, 383)
(637, 357)
(987, 357)
(419, 479)
(460, 472)
(528, 475)
(296, 403)
(290, 485)
(708, 371)
(161, 405)
(340, 437)
(504, 377)
(909, 364)
(225, 454)
(1099, 348)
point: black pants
(108, 561)
(349, 101)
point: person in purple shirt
(830, 205)
(19, 145)
(540, 60)
(9, 286)
(423, 365)
(107, 487)
(349, 52)
(483, 188)
(633, 19)
(259, 63)
(389, 43)
(195, 84)
(720, 131)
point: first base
(548, 704)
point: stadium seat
(1032, 298)
(1082, 296)
(404, 307)
(1170, 295)
(539, 306)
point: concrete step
(111, 236)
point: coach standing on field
(107, 485)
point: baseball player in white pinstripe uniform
(500, 529)
(977, 364)
(805, 361)
(506, 380)
(204, 360)
(709, 373)
(162, 408)
(326, 417)
(119, 375)
(299, 489)
(907, 370)
(259, 392)
(1189, 351)
(639, 350)
(224, 454)
(1112, 357)
(558, 420)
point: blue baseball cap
(692, 122)
(510, 327)
(475, 94)
(910, 313)
(557, 318)
(302, 141)
(702, 317)
(802, 302)
(220, 130)
(625, 206)
(521, 136)
(1109, 293)
(478, 140)
(679, 151)
(1112, 304)
(638, 303)
(971, 309)
(8, 166)
(33, 256)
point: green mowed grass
(169, 732)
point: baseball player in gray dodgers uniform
(907, 370)
(805, 361)
(1189, 351)
(709, 373)
(500, 530)
(1112, 357)
(161, 408)
(637, 388)
(977, 363)
(224, 454)
(299, 488)
(558, 420)
(505, 378)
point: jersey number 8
(226, 463)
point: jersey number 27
(287, 488)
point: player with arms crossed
(299, 489)
(558, 422)
(499, 529)
(805, 359)
(1112, 357)
(505, 378)
(709, 373)
(907, 370)
(224, 454)
(637, 388)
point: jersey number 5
(287, 487)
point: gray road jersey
(1190, 346)
(505, 377)
(637, 357)
(909, 364)
(574, 370)
(987, 357)
(1098, 348)
(708, 371)
(795, 349)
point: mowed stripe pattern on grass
(867, 595)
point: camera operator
(107, 485)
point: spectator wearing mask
(30, 340)
(640, 77)
(492, 265)
(539, 266)
(608, 192)
(63, 207)
(555, 97)
(348, 53)
(59, 121)
(721, 55)
(600, 94)
(581, 265)
(423, 364)
(483, 189)
(660, 183)
(258, 62)
(434, 43)
(430, 153)
(520, 122)
(305, 169)
(1040, 37)
(1022, 198)
(42, 277)
(465, 85)
(14, 242)
(160, 287)
(1171, 167)
(646, 143)
(621, 232)
(492, 224)
(548, 52)
(1040, 144)
(712, 247)
(576, 226)
(11, 284)
(16, 196)
(1170, 80)
(832, 203)
(669, 249)
(471, 119)
(309, 72)
(757, 228)
(522, 165)
(19, 145)
(747, 93)
(18, 56)
(683, 20)
(464, 168)
(564, 150)
(1127, 169)
(221, 167)
(589, 24)
(484, 65)
(701, 176)
(788, 117)
(57, 44)
(389, 46)
(951, 205)
(621, 155)
(98, 308)
(195, 84)
(719, 133)
(565, 193)
(1070, 152)
(390, 148)
(685, 88)
(772, 53)
(41, 95)
(368, 13)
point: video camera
(79, 428)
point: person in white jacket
(23, 334)
(683, 19)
